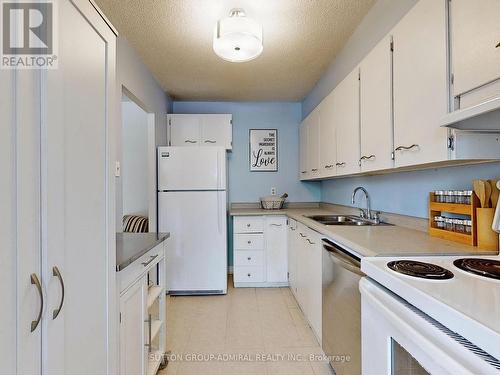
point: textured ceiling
(174, 39)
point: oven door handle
(343, 260)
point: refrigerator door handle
(219, 225)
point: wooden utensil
(487, 194)
(480, 191)
(495, 193)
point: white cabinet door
(20, 232)
(77, 227)
(420, 85)
(217, 130)
(475, 38)
(301, 280)
(313, 123)
(313, 265)
(292, 255)
(328, 141)
(376, 108)
(185, 130)
(133, 353)
(303, 152)
(276, 249)
(346, 114)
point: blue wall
(406, 192)
(246, 186)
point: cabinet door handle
(367, 157)
(303, 172)
(498, 45)
(291, 228)
(190, 141)
(310, 242)
(314, 170)
(404, 148)
(149, 321)
(57, 273)
(210, 141)
(329, 166)
(249, 274)
(302, 235)
(340, 164)
(36, 282)
(249, 258)
(249, 242)
(276, 225)
(152, 257)
(248, 225)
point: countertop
(131, 246)
(369, 241)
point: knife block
(486, 238)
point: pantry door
(21, 285)
(78, 217)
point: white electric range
(449, 324)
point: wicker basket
(272, 202)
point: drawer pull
(249, 242)
(249, 274)
(152, 257)
(248, 225)
(249, 258)
(276, 225)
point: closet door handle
(57, 273)
(209, 141)
(36, 282)
(401, 148)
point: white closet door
(20, 223)
(75, 190)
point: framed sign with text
(263, 150)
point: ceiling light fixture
(237, 38)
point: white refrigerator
(192, 206)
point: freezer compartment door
(191, 168)
(197, 257)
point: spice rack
(436, 208)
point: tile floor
(248, 331)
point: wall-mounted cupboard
(200, 130)
(387, 113)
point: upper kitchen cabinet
(475, 48)
(201, 130)
(327, 141)
(346, 119)
(313, 125)
(376, 108)
(309, 146)
(304, 173)
(420, 85)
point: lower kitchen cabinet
(308, 275)
(142, 334)
(260, 251)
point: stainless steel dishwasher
(341, 309)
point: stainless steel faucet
(369, 215)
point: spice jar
(438, 196)
(449, 224)
(459, 226)
(449, 196)
(468, 226)
(467, 196)
(459, 197)
(439, 222)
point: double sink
(345, 220)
